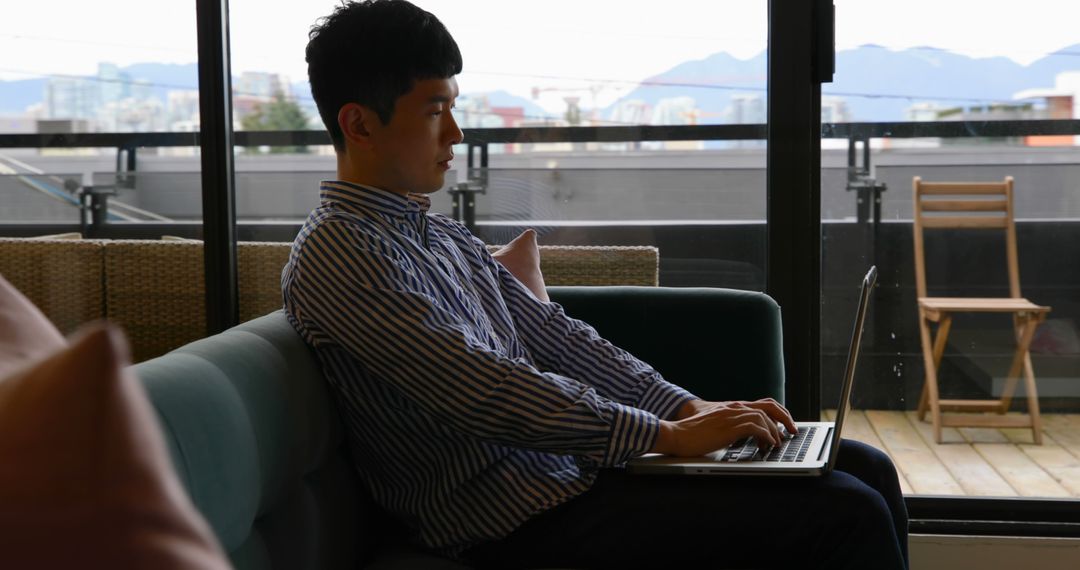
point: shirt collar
(359, 196)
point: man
(487, 421)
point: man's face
(413, 151)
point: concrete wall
(937, 552)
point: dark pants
(853, 517)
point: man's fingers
(764, 419)
(763, 436)
(775, 411)
(737, 415)
(723, 425)
(763, 423)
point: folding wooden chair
(973, 205)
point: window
(97, 134)
(543, 70)
(950, 93)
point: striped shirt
(470, 404)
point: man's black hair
(373, 52)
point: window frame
(797, 31)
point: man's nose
(454, 132)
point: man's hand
(702, 427)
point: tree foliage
(281, 114)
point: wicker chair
(258, 275)
(155, 289)
(63, 277)
(598, 265)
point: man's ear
(356, 122)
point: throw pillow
(521, 258)
(85, 477)
(25, 333)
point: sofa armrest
(720, 344)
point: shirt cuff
(633, 433)
(663, 399)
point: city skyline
(718, 89)
(519, 46)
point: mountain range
(877, 84)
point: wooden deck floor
(974, 461)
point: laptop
(810, 452)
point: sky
(562, 47)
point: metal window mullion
(218, 178)
(794, 199)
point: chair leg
(931, 385)
(1025, 330)
(1011, 380)
(924, 400)
(924, 396)
(1033, 401)
(938, 352)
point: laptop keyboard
(793, 448)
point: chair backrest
(975, 205)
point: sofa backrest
(257, 442)
(721, 344)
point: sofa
(257, 442)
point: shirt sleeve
(572, 347)
(354, 291)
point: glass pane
(118, 88)
(700, 202)
(276, 186)
(941, 100)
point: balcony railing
(700, 253)
(479, 141)
(482, 137)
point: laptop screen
(853, 354)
